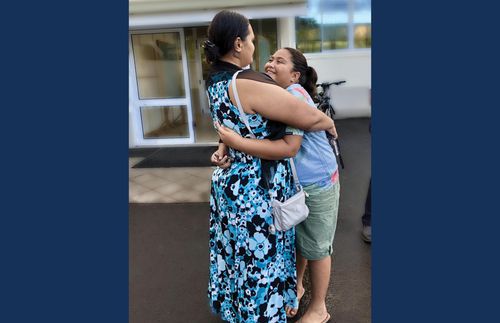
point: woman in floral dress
(252, 265)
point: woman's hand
(220, 157)
(228, 136)
(333, 131)
(223, 162)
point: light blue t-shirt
(315, 161)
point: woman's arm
(275, 103)
(262, 148)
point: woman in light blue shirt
(317, 171)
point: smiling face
(280, 68)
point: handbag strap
(243, 117)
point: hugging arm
(286, 147)
(275, 103)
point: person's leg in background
(366, 219)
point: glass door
(198, 72)
(159, 95)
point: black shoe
(366, 234)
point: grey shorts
(314, 236)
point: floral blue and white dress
(252, 266)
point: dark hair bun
(211, 51)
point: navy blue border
(64, 230)
(435, 93)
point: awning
(137, 7)
(147, 14)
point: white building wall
(353, 98)
(352, 66)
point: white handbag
(294, 210)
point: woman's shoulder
(298, 91)
(216, 77)
(256, 76)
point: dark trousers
(367, 217)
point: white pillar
(286, 32)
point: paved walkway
(168, 185)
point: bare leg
(320, 278)
(301, 269)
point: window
(266, 41)
(362, 24)
(334, 24)
(158, 65)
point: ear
(237, 44)
(296, 77)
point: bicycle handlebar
(327, 84)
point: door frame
(135, 103)
(204, 104)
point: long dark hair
(308, 76)
(225, 27)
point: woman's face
(247, 48)
(279, 67)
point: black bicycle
(325, 104)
